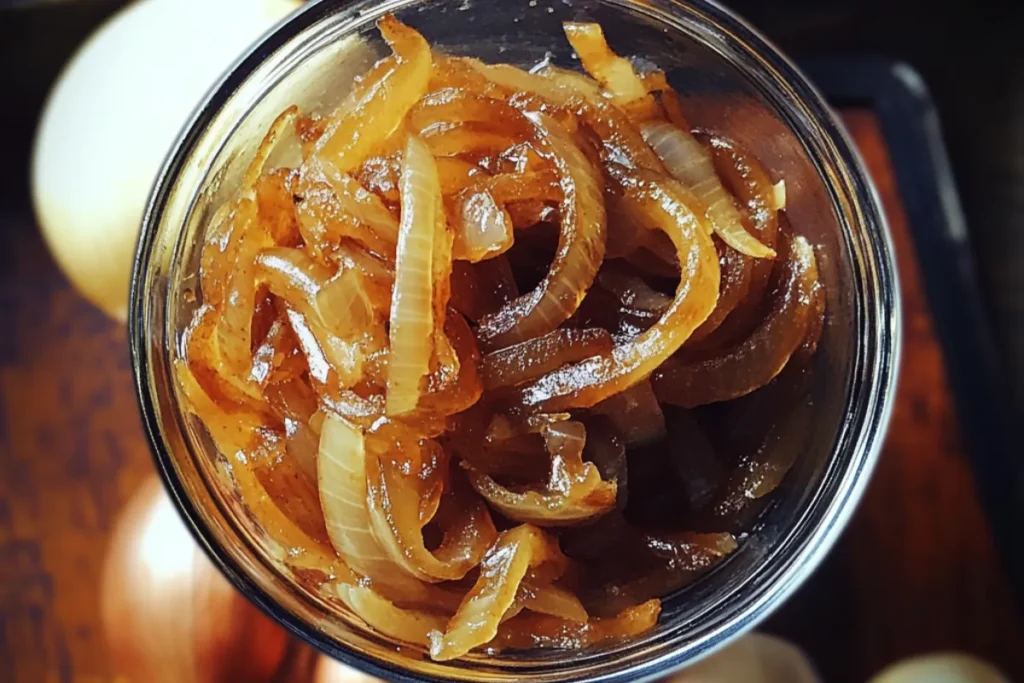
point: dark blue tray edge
(913, 134)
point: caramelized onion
(483, 228)
(689, 162)
(751, 184)
(615, 73)
(399, 484)
(456, 306)
(514, 365)
(341, 207)
(298, 280)
(412, 309)
(635, 414)
(531, 630)
(589, 382)
(579, 253)
(757, 360)
(406, 625)
(574, 492)
(482, 288)
(501, 572)
(380, 102)
(343, 495)
(551, 600)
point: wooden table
(915, 571)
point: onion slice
(547, 598)
(580, 249)
(762, 356)
(233, 436)
(482, 288)
(402, 476)
(483, 228)
(635, 414)
(234, 326)
(749, 181)
(737, 272)
(532, 630)
(689, 162)
(615, 73)
(379, 104)
(574, 492)
(298, 280)
(412, 306)
(667, 205)
(502, 571)
(406, 625)
(341, 207)
(341, 471)
(514, 365)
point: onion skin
(156, 597)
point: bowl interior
(733, 85)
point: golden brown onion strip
(501, 572)
(762, 356)
(689, 162)
(514, 365)
(381, 101)
(665, 205)
(412, 308)
(577, 258)
(574, 492)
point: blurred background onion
(111, 119)
(169, 616)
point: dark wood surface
(916, 570)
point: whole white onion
(111, 119)
(168, 614)
(329, 671)
(754, 658)
(944, 667)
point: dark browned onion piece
(482, 288)
(699, 467)
(530, 630)
(747, 179)
(761, 357)
(653, 565)
(579, 254)
(606, 449)
(635, 413)
(664, 204)
(514, 365)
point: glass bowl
(737, 84)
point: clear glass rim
(870, 392)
